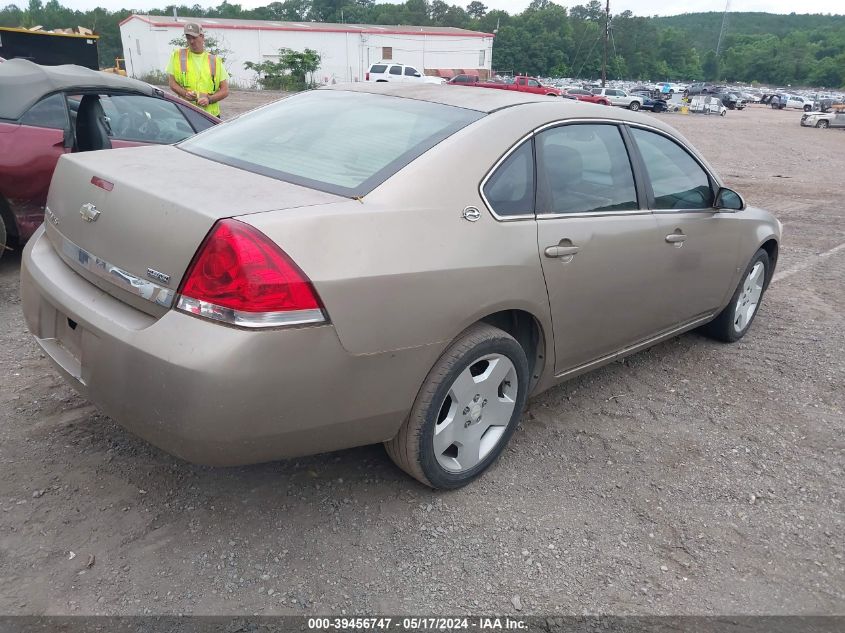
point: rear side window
(677, 180)
(378, 68)
(510, 190)
(395, 70)
(324, 139)
(50, 112)
(584, 168)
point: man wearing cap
(196, 75)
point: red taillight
(367, 77)
(241, 277)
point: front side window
(677, 180)
(584, 168)
(410, 71)
(324, 139)
(50, 112)
(533, 83)
(510, 190)
(145, 119)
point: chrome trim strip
(250, 320)
(591, 214)
(78, 257)
(637, 346)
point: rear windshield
(336, 141)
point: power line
(598, 37)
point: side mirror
(729, 200)
(417, 75)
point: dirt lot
(694, 478)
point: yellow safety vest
(205, 83)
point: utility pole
(606, 36)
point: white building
(346, 50)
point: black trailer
(49, 49)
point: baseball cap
(193, 28)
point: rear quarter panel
(401, 268)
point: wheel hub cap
(475, 413)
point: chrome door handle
(675, 238)
(560, 251)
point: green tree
(710, 66)
(476, 9)
(294, 70)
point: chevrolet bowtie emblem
(89, 212)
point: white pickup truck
(619, 98)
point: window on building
(138, 45)
(387, 52)
(481, 58)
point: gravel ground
(693, 478)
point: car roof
(488, 100)
(23, 83)
(480, 99)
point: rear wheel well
(525, 328)
(771, 248)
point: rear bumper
(209, 393)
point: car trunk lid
(130, 221)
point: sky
(637, 7)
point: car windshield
(336, 141)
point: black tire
(824, 123)
(413, 447)
(722, 328)
(807, 108)
(634, 106)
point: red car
(519, 83)
(47, 111)
(586, 95)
